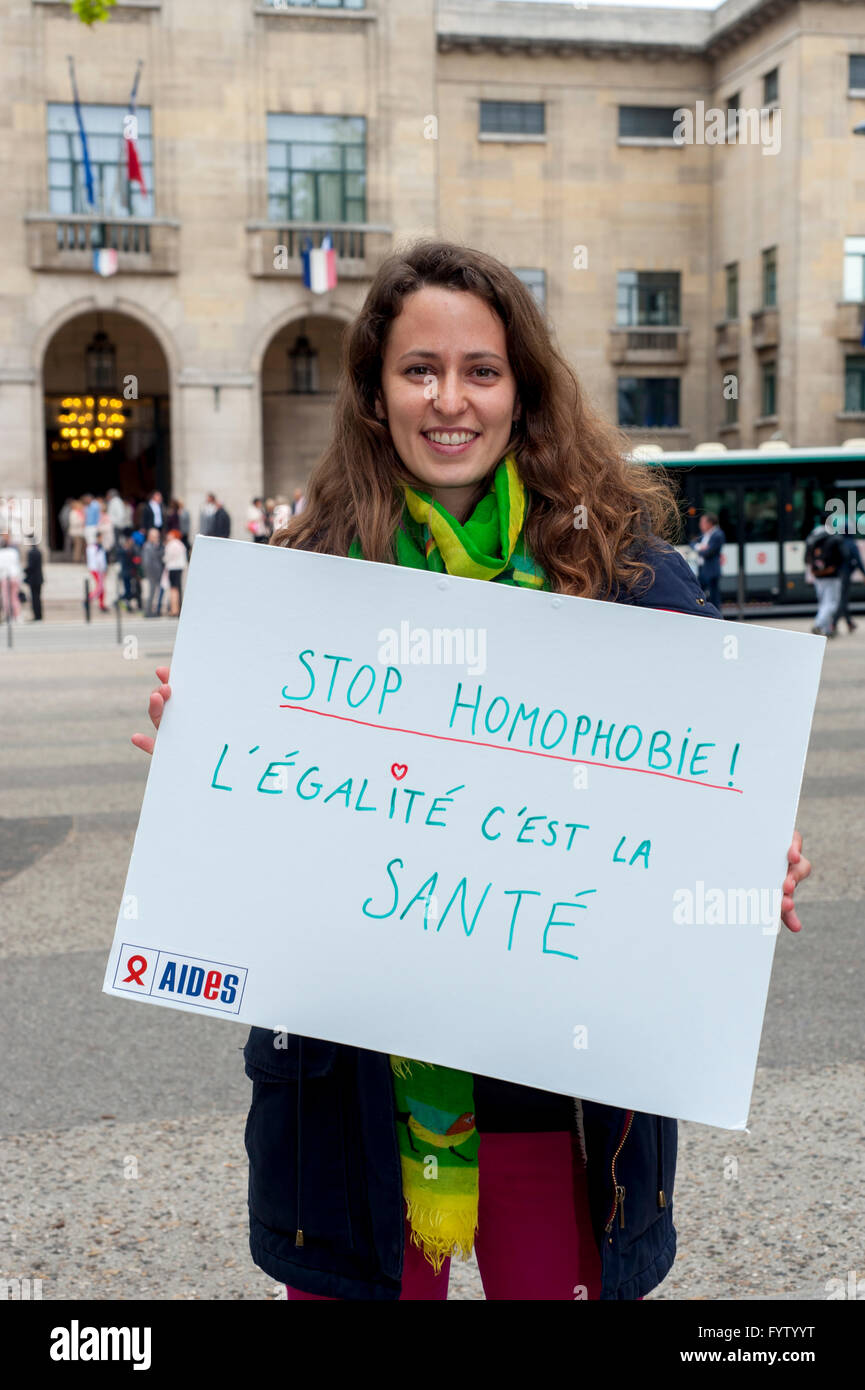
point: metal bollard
(87, 598)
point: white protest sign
(530, 836)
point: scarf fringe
(403, 1065)
(441, 1234)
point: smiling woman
(462, 445)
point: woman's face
(448, 392)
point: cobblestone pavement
(121, 1144)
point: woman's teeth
(458, 437)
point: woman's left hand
(800, 868)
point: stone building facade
(704, 288)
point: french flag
(319, 266)
(105, 261)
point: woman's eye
(429, 371)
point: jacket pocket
(274, 1056)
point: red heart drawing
(399, 770)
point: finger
(797, 873)
(791, 920)
(143, 742)
(155, 707)
(797, 834)
(162, 673)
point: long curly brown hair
(567, 455)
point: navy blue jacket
(710, 558)
(324, 1160)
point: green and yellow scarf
(434, 1105)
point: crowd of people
(149, 541)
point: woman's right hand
(154, 709)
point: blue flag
(88, 172)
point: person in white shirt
(97, 565)
(175, 564)
(10, 579)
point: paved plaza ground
(124, 1172)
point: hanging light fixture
(100, 359)
(302, 367)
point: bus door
(751, 561)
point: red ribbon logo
(136, 965)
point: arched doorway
(299, 373)
(106, 401)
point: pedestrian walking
(708, 547)
(850, 562)
(63, 522)
(824, 559)
(34, 580)
(174, 565)
(129, 560)
(106, 534)
(97, 564)
(221, 523)
(281, 513)
(153, 564)
(299, 502)
(93, 507)
(256, 520)
(554, 1195)
(206, 515)
(77, 513)
(117, 513)
(183, 523)
(10, 579)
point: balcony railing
(66, 242)
(849, 318)
(657, 345)
(764, 328)
(360, 247)
(727, 338)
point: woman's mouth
(450, 442)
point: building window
(647, 297)
(114, 195)
(316, 168)
(536, 281)
(732, 117)
(648, 122)
(648, 402)
(856, 74)
(770, 278)
(854, 382)
(731, 274)
(854, 268)
(768, 392)
(512, 118)
(770, 88)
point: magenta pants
(534, 1238)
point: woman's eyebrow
(467, 357)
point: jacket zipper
(619, 1192)
(662, 1200)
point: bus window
(761, 551)
(724, 503)
(761, 514)
(809, 500)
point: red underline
(508, 748)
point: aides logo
(208, 984)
